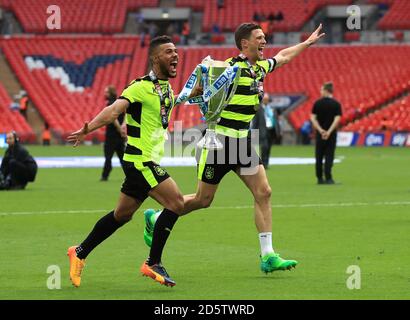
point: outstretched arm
(106, 116)
(286, 55)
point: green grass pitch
(214, 253)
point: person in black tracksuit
(114, 137)
(325, 118)
(17, 167)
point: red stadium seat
(63, 109)
(397, 17)
(13, 120)
(137, 4)
(295, 12)
(6, 4)
(193, 4)
(102, 16)
(393, 117)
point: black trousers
(21, 173)
(111, 146)
(325, 149)
(266, 144)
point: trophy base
(210, 141)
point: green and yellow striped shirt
(146, 136)
(236, 117)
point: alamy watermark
(354, 20)
(54, 17)
(354, 281)
(54, 280)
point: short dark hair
(156, 42)
(244, 32)
(328, 86)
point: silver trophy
(220, 79)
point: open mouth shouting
(260, 51)
(173, 68)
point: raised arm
(106, 116)
(286, 55)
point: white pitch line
(278, 206)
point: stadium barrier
(373, 139)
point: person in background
(171, 30)
(1, 20)
(24, 105)
(281, 125)
(186, 31)
(46, 136)
(266, 120)
(279, 17)
(256, 17)
(15, 105)
(216, 29)
(18, 167)
(143, 31)
(306, 131)
(386, 124)
(152, 30)
(325, 117)
(114, 136)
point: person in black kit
(17, 167)
(114, 136)
(325, 118)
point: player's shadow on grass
(139, 290)
(98, 292)
(278, 275)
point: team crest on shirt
(160, 171)
(209, 173)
